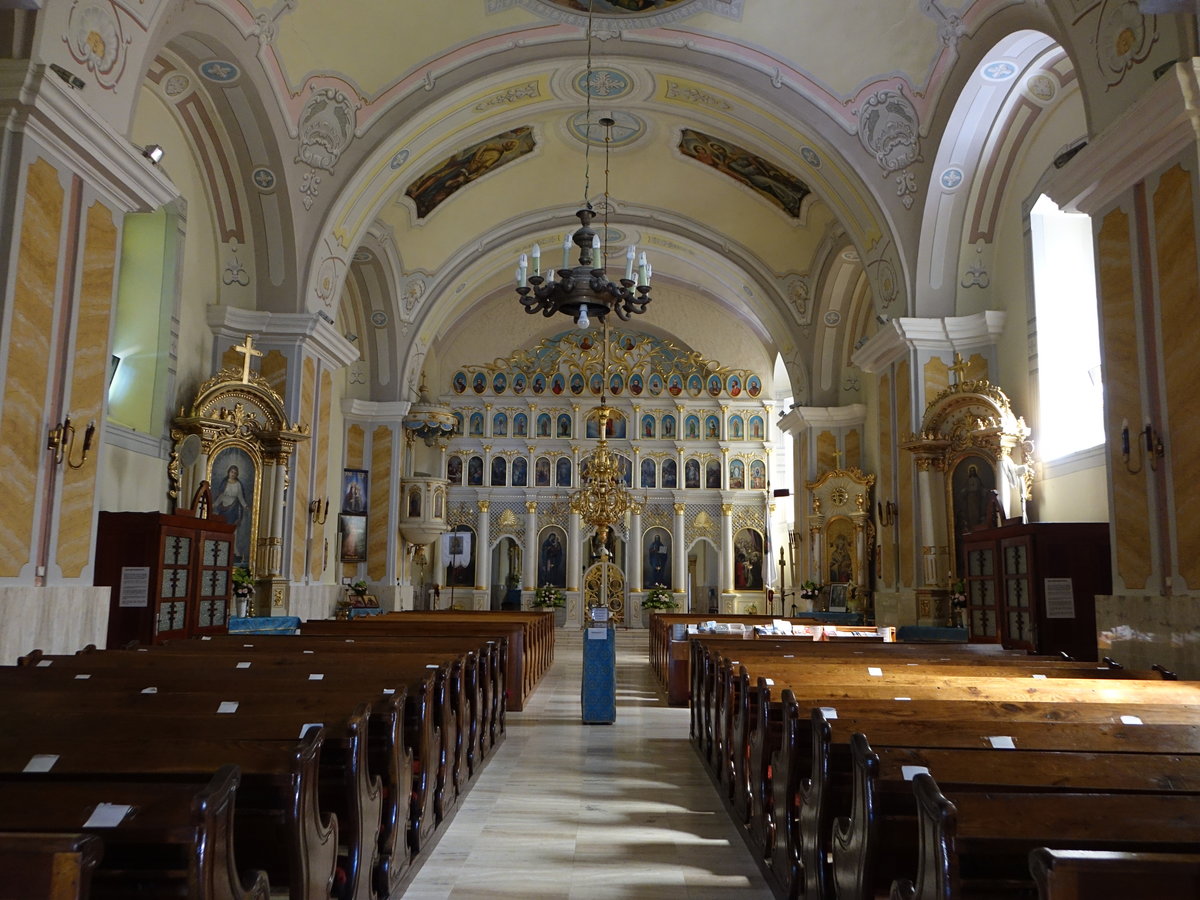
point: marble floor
(579, 811)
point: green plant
(659, 597)
(359, 588)
(243, 582)
(809, 589)
(549, 597)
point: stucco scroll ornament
(1124, 37)
(888, 128)
(326, 128)
(95, 41)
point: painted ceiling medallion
(809, 155)
(399, 159)
(362, 255)
(263, 178)
(951, 178)
(1124, 37)
(379, 318)
(1042, 87)
(998, 70)
(604, 84)
(176, 84)
(95, 40)
(220, 71)
(626, 129)
(833, 318)
(888, 127)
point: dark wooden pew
(1085, 874)
(50, 865)
(176, 839)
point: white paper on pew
(910, 772)
(228, 706)
(1131, 720)
(247, 645)
(206, 638)
(150, 690)
(45, 662)
(108, 815)
(316, 676)
(875, 670)
(308, 725)
(770, 682)
(82, 677)
(902, 698)
(1002, 742)
(789, 656)
(243, 665)
(1039, 676)
(829, 712)
(310, 651)
(349, 640)
(41, 762)
(389, 690)
(143, 649)
(432, 666)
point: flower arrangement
(659, 597)
(549, 597)
(809, 589)
(243, 583)
(359, 588)
(958, 595)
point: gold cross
(247, 350)
(837, 458)
(959, 368)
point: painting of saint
(712, 474)
(414, 503)
(475, 471)
(674, 385)
(973, 481)
(479, 383)
(519, 383)
(692, 427)
(564, 426)
(635, 385)
(499, 471)
(558, 384)
(499, 383)
(543, 425)
(737, 475)
(354, 491)
(756, 428)
(748, 560)
(500, 425)
(460, 560)
(576, 383)
(735, 428)
(454, 470)
(670, 473)
(458, 423)
(596, 383)
(647, 426)
(437, 184)
(658, 559)
(841, 559)
(562, 472)
(668, 428)
(712, 428)
(477, 424)
(552, 561)
(520, 472)
(691, 473)
(654, 384)
(714, 385)
(766, 179)
(734, 385)
(758, 476)
(695, 385)
(541, 472)
(616, 384)
(233, 484)
(520, 425)
(539, 383)
(460, 382)
(353, 530)
(753, 386)
(649, 475)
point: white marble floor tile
(590, 812)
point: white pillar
(679, 551)
(529, 576)
(726, 547)
(573, 552)
(633, 551)
(483, 555)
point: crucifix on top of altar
(231, 447)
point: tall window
(1068, 336)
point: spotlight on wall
(154, 153)
(351, 336)
(1147, 437)
(69, 77)
(883, 318)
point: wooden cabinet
(171, 576)
(1034, 586)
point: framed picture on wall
(354, 491)
(353, 533)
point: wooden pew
(177, 836)
(980, 841)
(49, 865)
(1083, 874)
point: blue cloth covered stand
(599, 689)
(264, 625)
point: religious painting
(520, 472)
(454, 470)
(499, 382)
(670, 473)
(479, 383)
(543, 425)
(414, 502)
(476, 428)
(691, 428)
(552, 558)
(712, 428)
(736, 428)
(756, 428)
(460, 560)
(758, 475)
(558, 383)
(712, 474)
(538, 383)
(657, 568)
(654, 384)
(839, 538)
(753, 385)
(649, 474)
(499, 471)
(541, 472)
(636, 386)
(233, 477)
(475, 471)
(691, 473)
(460, 382)
(439, 504)
(668, 427)
(737, 475)
(353, 532)
(617, 7)
(764, 178)
(695, 385)
(648, 424)
(734, 385)
(520, 425)
(519, 383)
(500, 425)
(564, 426)
(626, 466)
(577, 384)
(674, 385)
(437, 184)
(562, 472)
(458, 423)
(972, 483)
(748, 560)
(596, 383)
(354, 491)
(714, 385)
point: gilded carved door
(604, 585)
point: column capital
(484, 505)
(530, 506)
(727, 509)
(680, 509)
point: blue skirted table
(599, 688)
(356, 611)
(264, 625)
(931, 633)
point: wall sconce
(318, 516)
(69, 77)
(1149, 442)
(62, 442)
(887, 513)
(154, 153)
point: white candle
(537, 259)
(567, 251)
(642, 277)
(629, 256)
(522, 270)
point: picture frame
(352, 534)
(355, 500)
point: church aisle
(590, 811)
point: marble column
(633, 552)
(529, 575)
(573, 552)
(483, 553)
(679, 551)
(726, 548)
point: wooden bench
(175, 837)
(1084, 874)
(49, 865)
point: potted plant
(550, 597)
(808, 591)
(958, 603)
(659, 598)
(243, 590)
